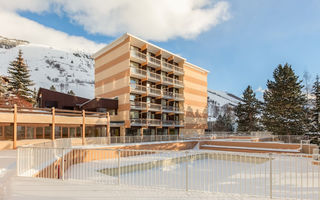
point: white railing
(138, 88)
(138, 55)
(138, 72)
(167, 66)
(178, 96)
(154, 106)
(279, 176)
(154, 91)
(138, 105)
(154, 77)
(167, 94)
(178, 70)
(154, 61)
(167, 80)
(178, 83)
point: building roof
(126, 35)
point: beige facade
(159, 92)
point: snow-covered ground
(292, 177)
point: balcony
(138, 89)
(138, 105)
(167, 67)
(167, 108)
(178, 110)
(153, 77)
(166, 123)
(178, 83)
(154, 107)
(154, 62)
(178, 97)
(137, 56)
(167, 80)
(178, 70)
(179, 123)
(138, 122)
(138, 73)
(167, 95)
(154, 122)
(154, 92)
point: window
(134, 114)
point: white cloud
(17, 27)
(151, 20)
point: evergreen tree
(19, 78)
(223, 123)
(315, 119)
(284, 104)
(53, 88)
(247, 112)
(71, 93)
(34, 97)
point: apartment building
(158, 92)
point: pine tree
(315, 119)
(53, 88)
(19, 78)
(284, 104)
(247, 112)
(71, 93)
(223, 123)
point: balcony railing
(167, 80)
(154, 77)
(167, 66)
(154, 122)
(138, 105)
(154, 62)
(178, 110)
(167, 108)
(178, 70)
(138, 122)
(154, 91)
(138, 55)
(168, 123)
(167, 95)
(178, 83)
(178, 97)
(154, 106)
(140, 73)
(140, 89)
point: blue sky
(242, 50)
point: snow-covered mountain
(219, 102)
(49, 66)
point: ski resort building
(158, 92)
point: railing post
(119, 154)
(187, 171)
(15, 110)
(53, 131)
(18, 160)
(83, 126)
(108, 127)
(270, 161)
(62, 164)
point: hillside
(49, 66)
(218, 101)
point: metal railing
(138, 105)
(167, 94)
(154, 61)
(178, 83)
(167, 66)
(283, 176)
(178, 96)
(178, 70)
(138, 72)
(167, 80)
(154, 91)
(154, 106)
(154, 77)
(140, 89)
(138, 55)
